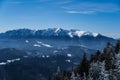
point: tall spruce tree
(117, 47)
(109, 57)
(98, 56)
(83, 67)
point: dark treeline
(101, 66)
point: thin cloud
(90, 8)
(59, 2)
(64, 2)
(80, 12)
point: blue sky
(102, 16)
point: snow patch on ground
(2, 63)
(69, 55)
(39, 42)
(47, 56)
(55, 51)
(43, 56)
(9, 61)
(26, 41)
(43, 44)
(68, 60)
(37, 45)
(46, 45)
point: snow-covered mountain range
(50, 32)
(56, 37)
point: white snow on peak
(70, 34)
(50, 32)
(80, 33)
(57, 29)
(95, 34)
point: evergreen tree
(58, 75)
(98, 56)
(108, 63)
(83, 66)
(109, 56)
(67, 75)
(117, 47)
(92, 58)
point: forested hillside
(101, 66)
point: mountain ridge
(50, 32)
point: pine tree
(117, 66)
(109, 56)
(109, 63)
(67, 75)
(98, 56)
(92, 58)
(58, 74)
(83, 66)
(117, 47)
